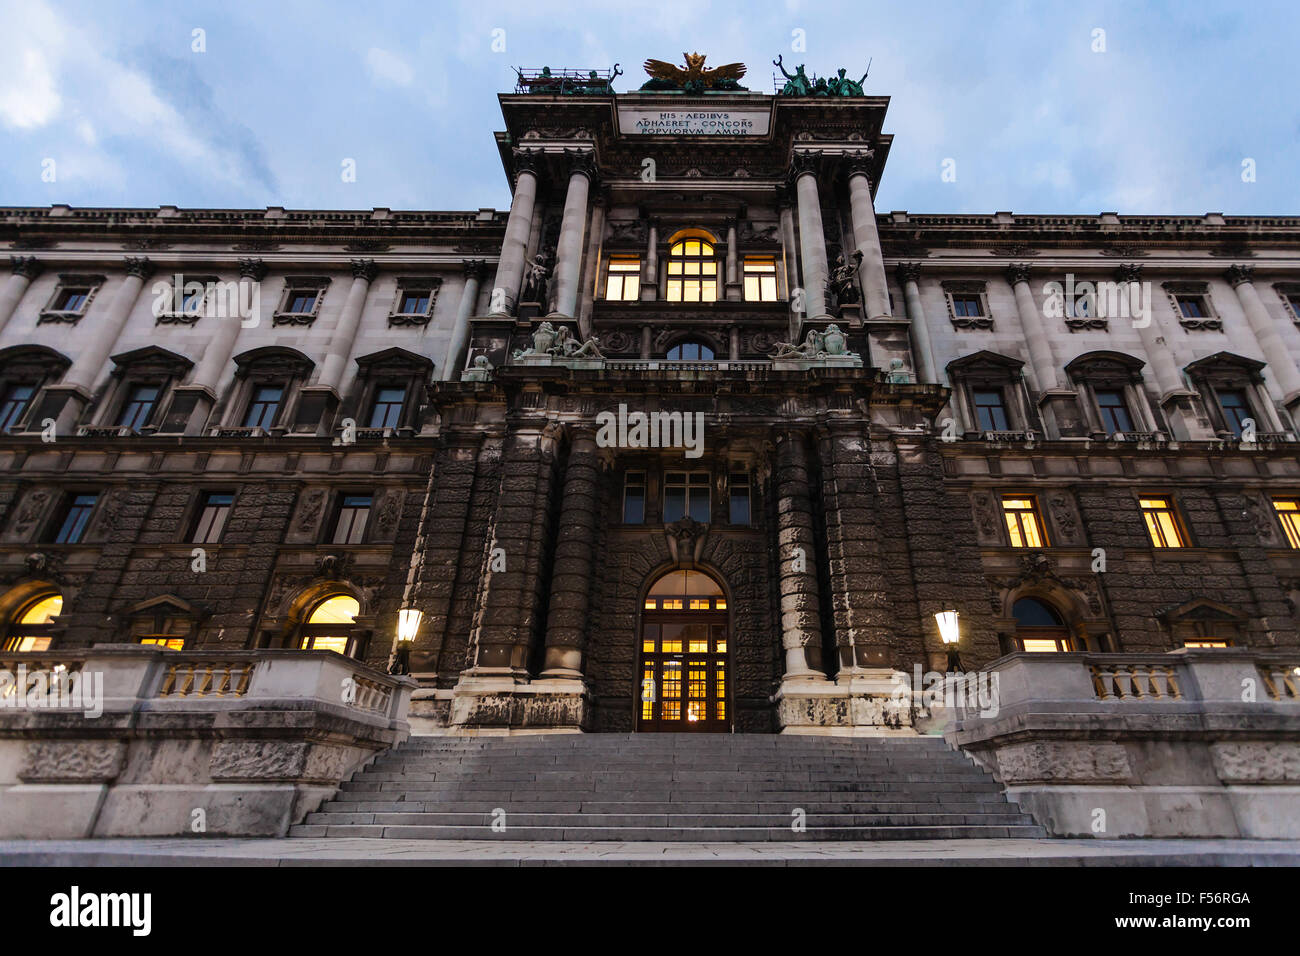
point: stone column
(1268, 333)
(650, 277)
(789, 257)
(339, 349)
(909, 277)
(866, 239)
(193, 402)
(647, 343)
(1178, 402)
(1058, 404)
(733, 286)
(566, 622)
(25, 269)
(801, 629)
(455, 362)
(519, 227)
(812, 238)
(591, 275)
(568, 255)
(734, 344)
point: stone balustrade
(1195, 742)
(126, 740)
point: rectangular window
(1192, 307)
(386, 411)
(212, 517)
(301, 301)
(350, 525)
(1236, 410)
(71, 300)
(16, 399)
(1024, 526)
(760, 279)
(161, 631)
(1161, 523)
(738, 494)
(990, 410)
(1288, 512)
(1294, 301)
(264, 406)
(1114, 411)
(140, 402)
(634, 497)
(415, 301)
(967, 305)
(623, 284)
(75, 519)
(686, 494)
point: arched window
(328, 626)
(1039, 627)
(684, 659)
(692, 271)
(690, 351)
(33, 626)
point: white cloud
(388, 67)
(28, 98)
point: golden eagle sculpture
(696, 76)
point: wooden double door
(684, 685)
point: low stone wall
(1201, 743)
(125, 740)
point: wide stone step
(986, 803)
(672, 820)
(589, 834)
(724, 779)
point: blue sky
(1013, 92)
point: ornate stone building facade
(260, 429)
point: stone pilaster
(566, 626)
(25, 269)
(650, 277)
(734, 288)
(909, 277)
(568, 261)
(454, 363)
(801, 626)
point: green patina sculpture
(799, 84)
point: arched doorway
(1039, 627)
(684, 684)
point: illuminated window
(690, 352)
(1039, 628)
(1288, 512)
(1161, 523)
(1024, 526)
(686, 493)
(329, 626)
(161, 630)
(623, 284)
(1206, 644)
(32, 629)
(683, 654)
(692, 272)
(760, 279)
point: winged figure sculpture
(696, 74)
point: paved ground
(360, 852)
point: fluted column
(801, 628)
(650, 278)
(339, 349)
(519, 227)
(101, 333)
(909, 277)
(1268, 331)
(866, 239)
(573, 227)
(25, 269)
(1042, 364)
(812, 238)
(566, 621)
(455, 361)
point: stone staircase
(670, 787)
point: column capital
(1129, 272)
(1237, 274)
(254, 269)
(474, 269)
(1018, 272)
(858, 163)
(525, 161)
(364, 269)
(29, 267)
(139, 266)
(805, 161)
(909, 272)
(582, 162)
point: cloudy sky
(1038, 110)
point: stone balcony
(1195, 742)
(127, 740)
